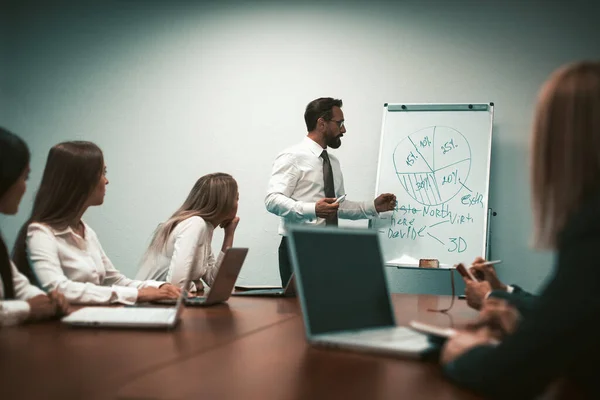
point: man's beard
(334, 141)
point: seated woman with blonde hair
(64, 252)
(183, 242)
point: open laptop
(129, 317)
(288, 291)
(343, 292)
(224, 281)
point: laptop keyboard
(390, 338)
(128, 315)
(262, 292)
(195, 300)
(393, 334)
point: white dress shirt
(297, 184)
(13, 312)
(78, 267)
(188, 247)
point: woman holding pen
(557, 339)
(485, 284)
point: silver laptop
(224, 281)
(288, 291)
(129, 317)
(343, 292)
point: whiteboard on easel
(436, 159)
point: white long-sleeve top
(296, 185)
(15, 311)
(188, 247)
(78, 267)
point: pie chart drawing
(433, 164)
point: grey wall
(174, 90)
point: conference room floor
(252, 348)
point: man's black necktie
(329, 188)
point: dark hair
(14, 158)
(72, 173)
(565, 147)
(320, 108)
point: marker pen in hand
(479, 275)
(491, 262)
(340, 199)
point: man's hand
(475, 292)
(487, 273)
(385, 202)
(325, 208)
(42, 307)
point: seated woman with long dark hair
(19, 299)
(64, 252)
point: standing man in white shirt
(307, 179)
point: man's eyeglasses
(340, 123)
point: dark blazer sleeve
(519, 298)
(556, 337)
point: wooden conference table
(249, 348)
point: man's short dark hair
(320, 108)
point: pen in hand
(340, 199)
(478, 273)
(491, 262)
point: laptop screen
(227, 274)
(340, 279)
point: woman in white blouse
(183, 242)
(64, 252)
(19, 300)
